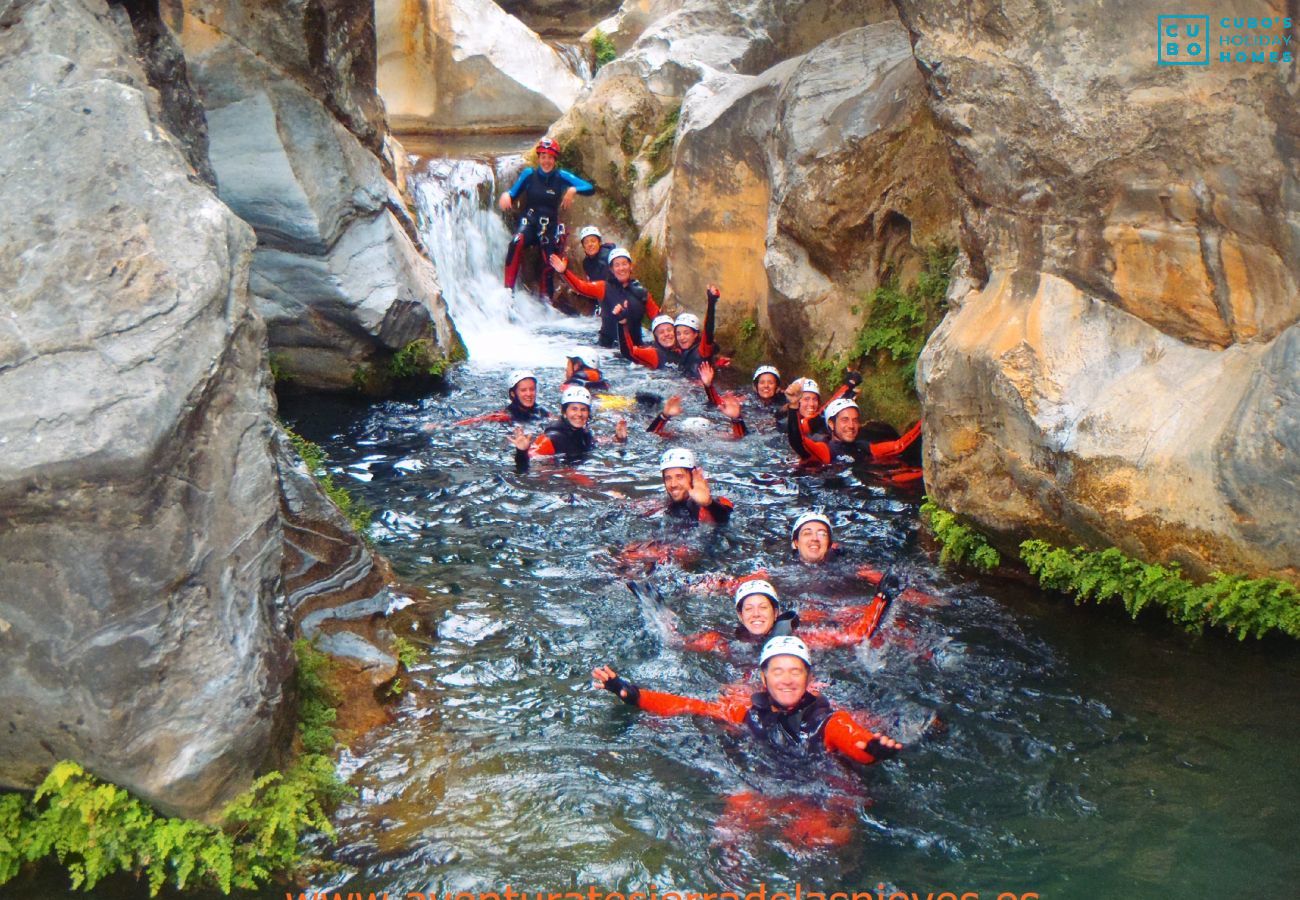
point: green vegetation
(357, 513)
(602, 46)
(279, 374)
(750, 348)
(419, 357)
(1240, 605)
(96, 829)
(887, 346)
(660, 152)
(406, 651)
(616, 200)
(960, 543)
(651, 267)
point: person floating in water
(660, 352)
(569, 437)
(688, 491)
(522, 405)
(849, 439)
(621, 296)
(696, 347)
(546, 189)
(785, 715)
(672, 408)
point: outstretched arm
(661, 704)
(844, 735)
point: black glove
(618, 685)
(879, 750)
(713, 296)
(852, 379)
(891, 585)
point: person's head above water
(575, 405)
(620, 265)
(665, 334)
(844, 420)
(548, 154)
(589, 238)
(757, 606)
(522, 388)
(767, 381)
(786, 667)
(810, 537)
(678, 469)
(687, 326)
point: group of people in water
(783, 711)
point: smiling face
(809, 403)
(686, 337)
(786, 679)
(591, 245)
(847, 425)
(757, 614)
(766, 386)
(666, 337)
(546, 162)
(526, 393)
(622, 269)
(677, 482)
(577, 414)
(813, 542)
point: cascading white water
(575, 56)
(455, 205)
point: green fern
(959, 543)
(602, 47)
(358, 514)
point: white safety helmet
(835, 407)
(575, 394)
(805, 519)
(619, 253)
(589, 231)
(785, 645)
(660, 320)
(677, 458)
(690, 320)
(517, 376)
(583, 358)
(767, 370)
(808, 386)
(754, 586)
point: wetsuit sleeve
(712, 393)
(593, 289)
(884, 450)
(800, 441)
(707, 642)
(519, 183)
(657, 426)
(718, 512)
(863, 628)
(541, 446)
(584, 187)
(500, 415)
(843, 734)
(707, 345)
(652, 309)
(738, 428)
(843, 390)
(646, 356)
(661, 704)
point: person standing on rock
(622, 298)
(546, 189)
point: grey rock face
(140, 534)
(1122, 366)
(336, 275)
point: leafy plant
(279, 373)
(96, 829)
(406, 651)
(602, 46)
(419, 357)
(960, 543)
(358, 514)
(660, 152)
(748, 329)
(1240, 605)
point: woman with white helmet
(580, 369)
(621, 297)
(569, 437)
(696, 347)
(660, 352)
(785, 715)
(595, 259)
(688, 491)
(521, 388)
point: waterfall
(575, 57)
(467, 238)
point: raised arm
(707, 345)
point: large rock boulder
(1122, 367)
(338, 274)
(140, 535)
(465, 65)
(799, 189)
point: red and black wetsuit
(539, 225)
(559, 439)
(704, 347)
(718, 512)
(596, 266)
(650, 354)
(587, 377)
(738, 427)
(610, 292)
(822, 638)
(811, 726)
(877, 444)
(514, 412)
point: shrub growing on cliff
(356, 512)
(602, 48)
(1242, 606)
(960, 543)
(96, 829)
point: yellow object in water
(615, 401)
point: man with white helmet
(595, 260)
(785, 714)
(849, 439)
(694, 346)
(569, 437)
(621, 297)
(688, 491)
